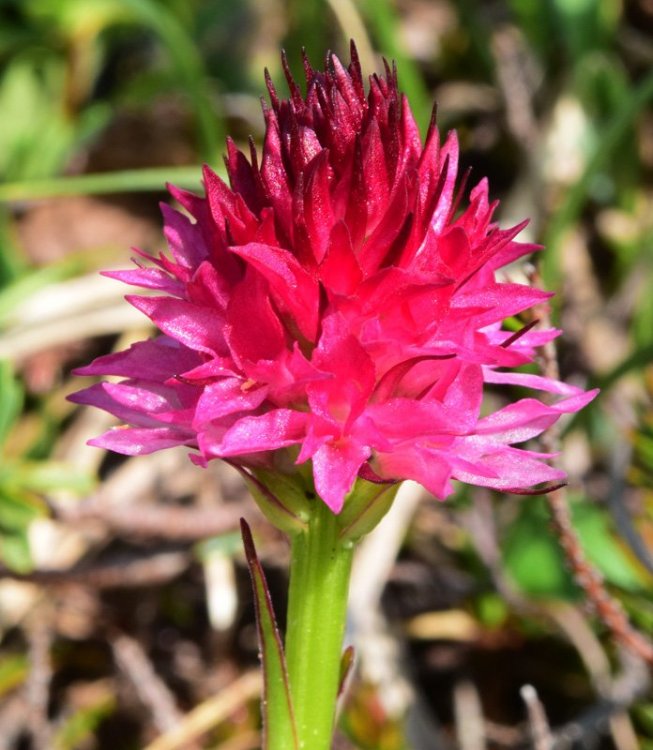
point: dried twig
(538, 724)
(169, 523)
(37, 687)
(152, 691)
(514, 68)
(147, 570)
(631, 685)
(591, 581)
(586, 575)
(14, 713)
(468, 713)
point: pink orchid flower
(335, 304)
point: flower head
(333, 304)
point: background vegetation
(125, 614)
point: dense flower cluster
(335, 304)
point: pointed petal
(335, 468)
(278, 428)
(292, 286)
(252, 329)
(198, 328)
(139, 441)
(225, 397)
(156, 359)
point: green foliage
(13, 670)
(532, 554)
(81, 725)
(279, 720)
(22, 481)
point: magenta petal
(448, 158)
(405, 419)
(199, 328)
(339, 270)
(513, 469)
(497, 301)
(216, 367)
(527, 418)
(343, 396)
(335, 467)
(227, 396)
(149, 278)
(157, 359)
(138, 441)
(291, 285)
(339, 298)
(317, 204)
(252, 329)
(184, 238)
(539, 383)
(425, 467)
(275, 429)
(136, 404)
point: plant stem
(320, 568)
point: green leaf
(82, 724)
(532, 555)
(278, 716)
(17, 509)
(13, 670)
(11, 400)
(605, 550)
(129, 180)
(15, 552)
(47, 476)
(364, 507)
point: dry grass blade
(153, 692)
(538, 723)
(210, 713)
(170, 523)
(37, 687)
(68, 312)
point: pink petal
(514, 469)
(225, 397)
(335, 468)
(138, 441)
(199, 328)
(339, 270)
(184, 238)
(275, 429)
(344, 395)
(526, 419)
(537, 382)
(252, 329)
(293, 288)
(149, 278)
(420, 465)
(156, 359)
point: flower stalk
(320, 570)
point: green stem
(320, 568)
